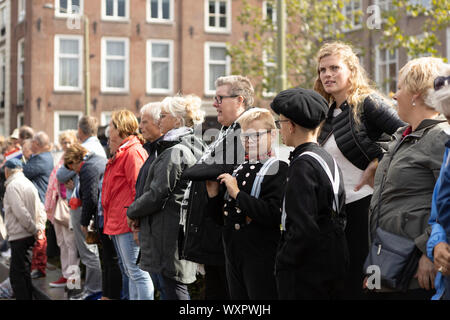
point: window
(105, 118)
(65, 120)
(159, 10)
(20, 71)
(353, 13)
(20, 119)
(427, 4)
(270, 75)
(385, 5)
(65, 8)
(218, 17)
(159, 66)
(115, 65)
(68, 63)
(21, 10)
(270, 12)
(217, 64)
(3, 22)
(115, 10)
(386, 70)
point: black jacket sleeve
(89, 183)
(266, 209)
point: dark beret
(305, 107)
(13, 163)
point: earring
(414, 103)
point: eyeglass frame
(438, 86)
(254, 136)
(277, 123)
(222, 97)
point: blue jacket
(38, 170)
(440, 216)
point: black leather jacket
(358, 141)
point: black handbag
(396, 256)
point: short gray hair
(13, 171)
(239, 86)
(88, 125)
(42, 139)
(153, 109)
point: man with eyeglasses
(202, 241)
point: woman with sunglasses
(407, 174)
(438, 247)
(357, 118)
(251, 210)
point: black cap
(13, 163)
(305, 107)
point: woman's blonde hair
(186, 108)
(359, 83)
(74, 154)
(126, 123)
(260, 114)
(417, 76)
(68, 135)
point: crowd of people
(365, 185)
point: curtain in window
(69, 63)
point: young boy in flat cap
(312, 254)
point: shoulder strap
(335, 181)
(256, 188)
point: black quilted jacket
(358, 141)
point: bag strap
(335, 181)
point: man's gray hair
(42, 139)
(239, 86)
(88, 125)
(153, 109)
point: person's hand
(425, 273)
(136, 237)
(368, 175)
(39, 235)
(231, 184)
(69, 184)
(441, 255)
(84, 229)
(133, 224)
(212, 187)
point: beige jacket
(24, 211)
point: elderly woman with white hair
(404, 183)
(438, 247)
(158, 208)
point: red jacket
(119, 184)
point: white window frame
(385, 64)
(170, 60)
(20, 115)
(127, 66)
(56, 116)
(274, 13)
(104, 118)
(57, 86)
(20, 60)
(160, 19)
(384, 5)
(69, 9)
(209, 29)
(268, 94)
(21, 10)
(227, 64)
(115, 9)
(354, 26)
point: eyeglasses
(277, 123)
(219, 99)
(440, 82)
(67, 166)
(253, 136)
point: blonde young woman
(357, 118)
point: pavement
(41, 286)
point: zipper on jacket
(356, 140)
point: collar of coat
(421, 128)
(127, 143)
(14, 176)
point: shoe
(86, 296)
(6, 254)
(60, 283)
(35, 274)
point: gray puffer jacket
(158, 209)
(404, 183)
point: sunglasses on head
(440, 82)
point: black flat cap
(305, 107)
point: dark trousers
(216, 287)
(298, 285)
(357, 235)
(250, 277)
(20, 268)
(170, 289)
(111, 275)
